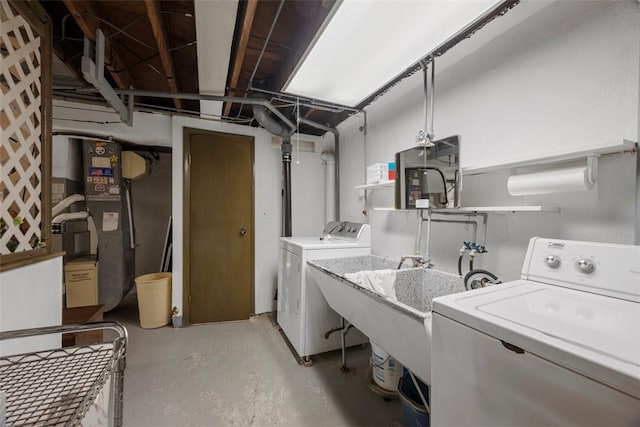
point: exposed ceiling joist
(82, 12)
(160, 34)
(247, 24)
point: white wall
(267, 207)
(307, 212)
(566, 76)
(31, 297)
(147, 129)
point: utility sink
(403, 326)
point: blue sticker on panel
(101, 171)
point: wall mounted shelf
(482, 209)
(375, 185)
(560, 156)
(392, 210)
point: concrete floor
(241, 373)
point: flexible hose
(470, 264)
(65, 203)
(69, 216)
(467, 279)
(460, 264)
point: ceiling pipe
(267, 121)
(336, 136)
(278, 128)
(287, 228)
(202, 97)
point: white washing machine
(303, 313)
(561, 346)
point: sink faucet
(417, 260)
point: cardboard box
(81, 282)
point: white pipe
(329, 161)
(416, 246)
(427, 256)
(65, 203)
(69, 216)
(132, 242)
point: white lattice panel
(20, 119)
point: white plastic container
(377, 172)
(386, 370)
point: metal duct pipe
(279, 128)
(266, 120)
(200, 97)
(286, 199)
(336, 136)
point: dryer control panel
(348, 230)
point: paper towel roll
(555, 181)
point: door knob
(243, 231)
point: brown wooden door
(220, 227)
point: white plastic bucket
(386, 370)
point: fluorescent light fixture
(369, 42)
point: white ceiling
(215, 22)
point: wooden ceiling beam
(82, 11)
(247, 24)
(160, 34)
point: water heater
(429, 173)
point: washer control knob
(552, 261)
(585, 265)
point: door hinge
(189, 159)
(189, 301)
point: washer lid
(602, 324)
(594, 335)
(316, 243)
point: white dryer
(561, 346)
(303, 313)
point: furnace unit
(108, 199)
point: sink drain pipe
(336, 139)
